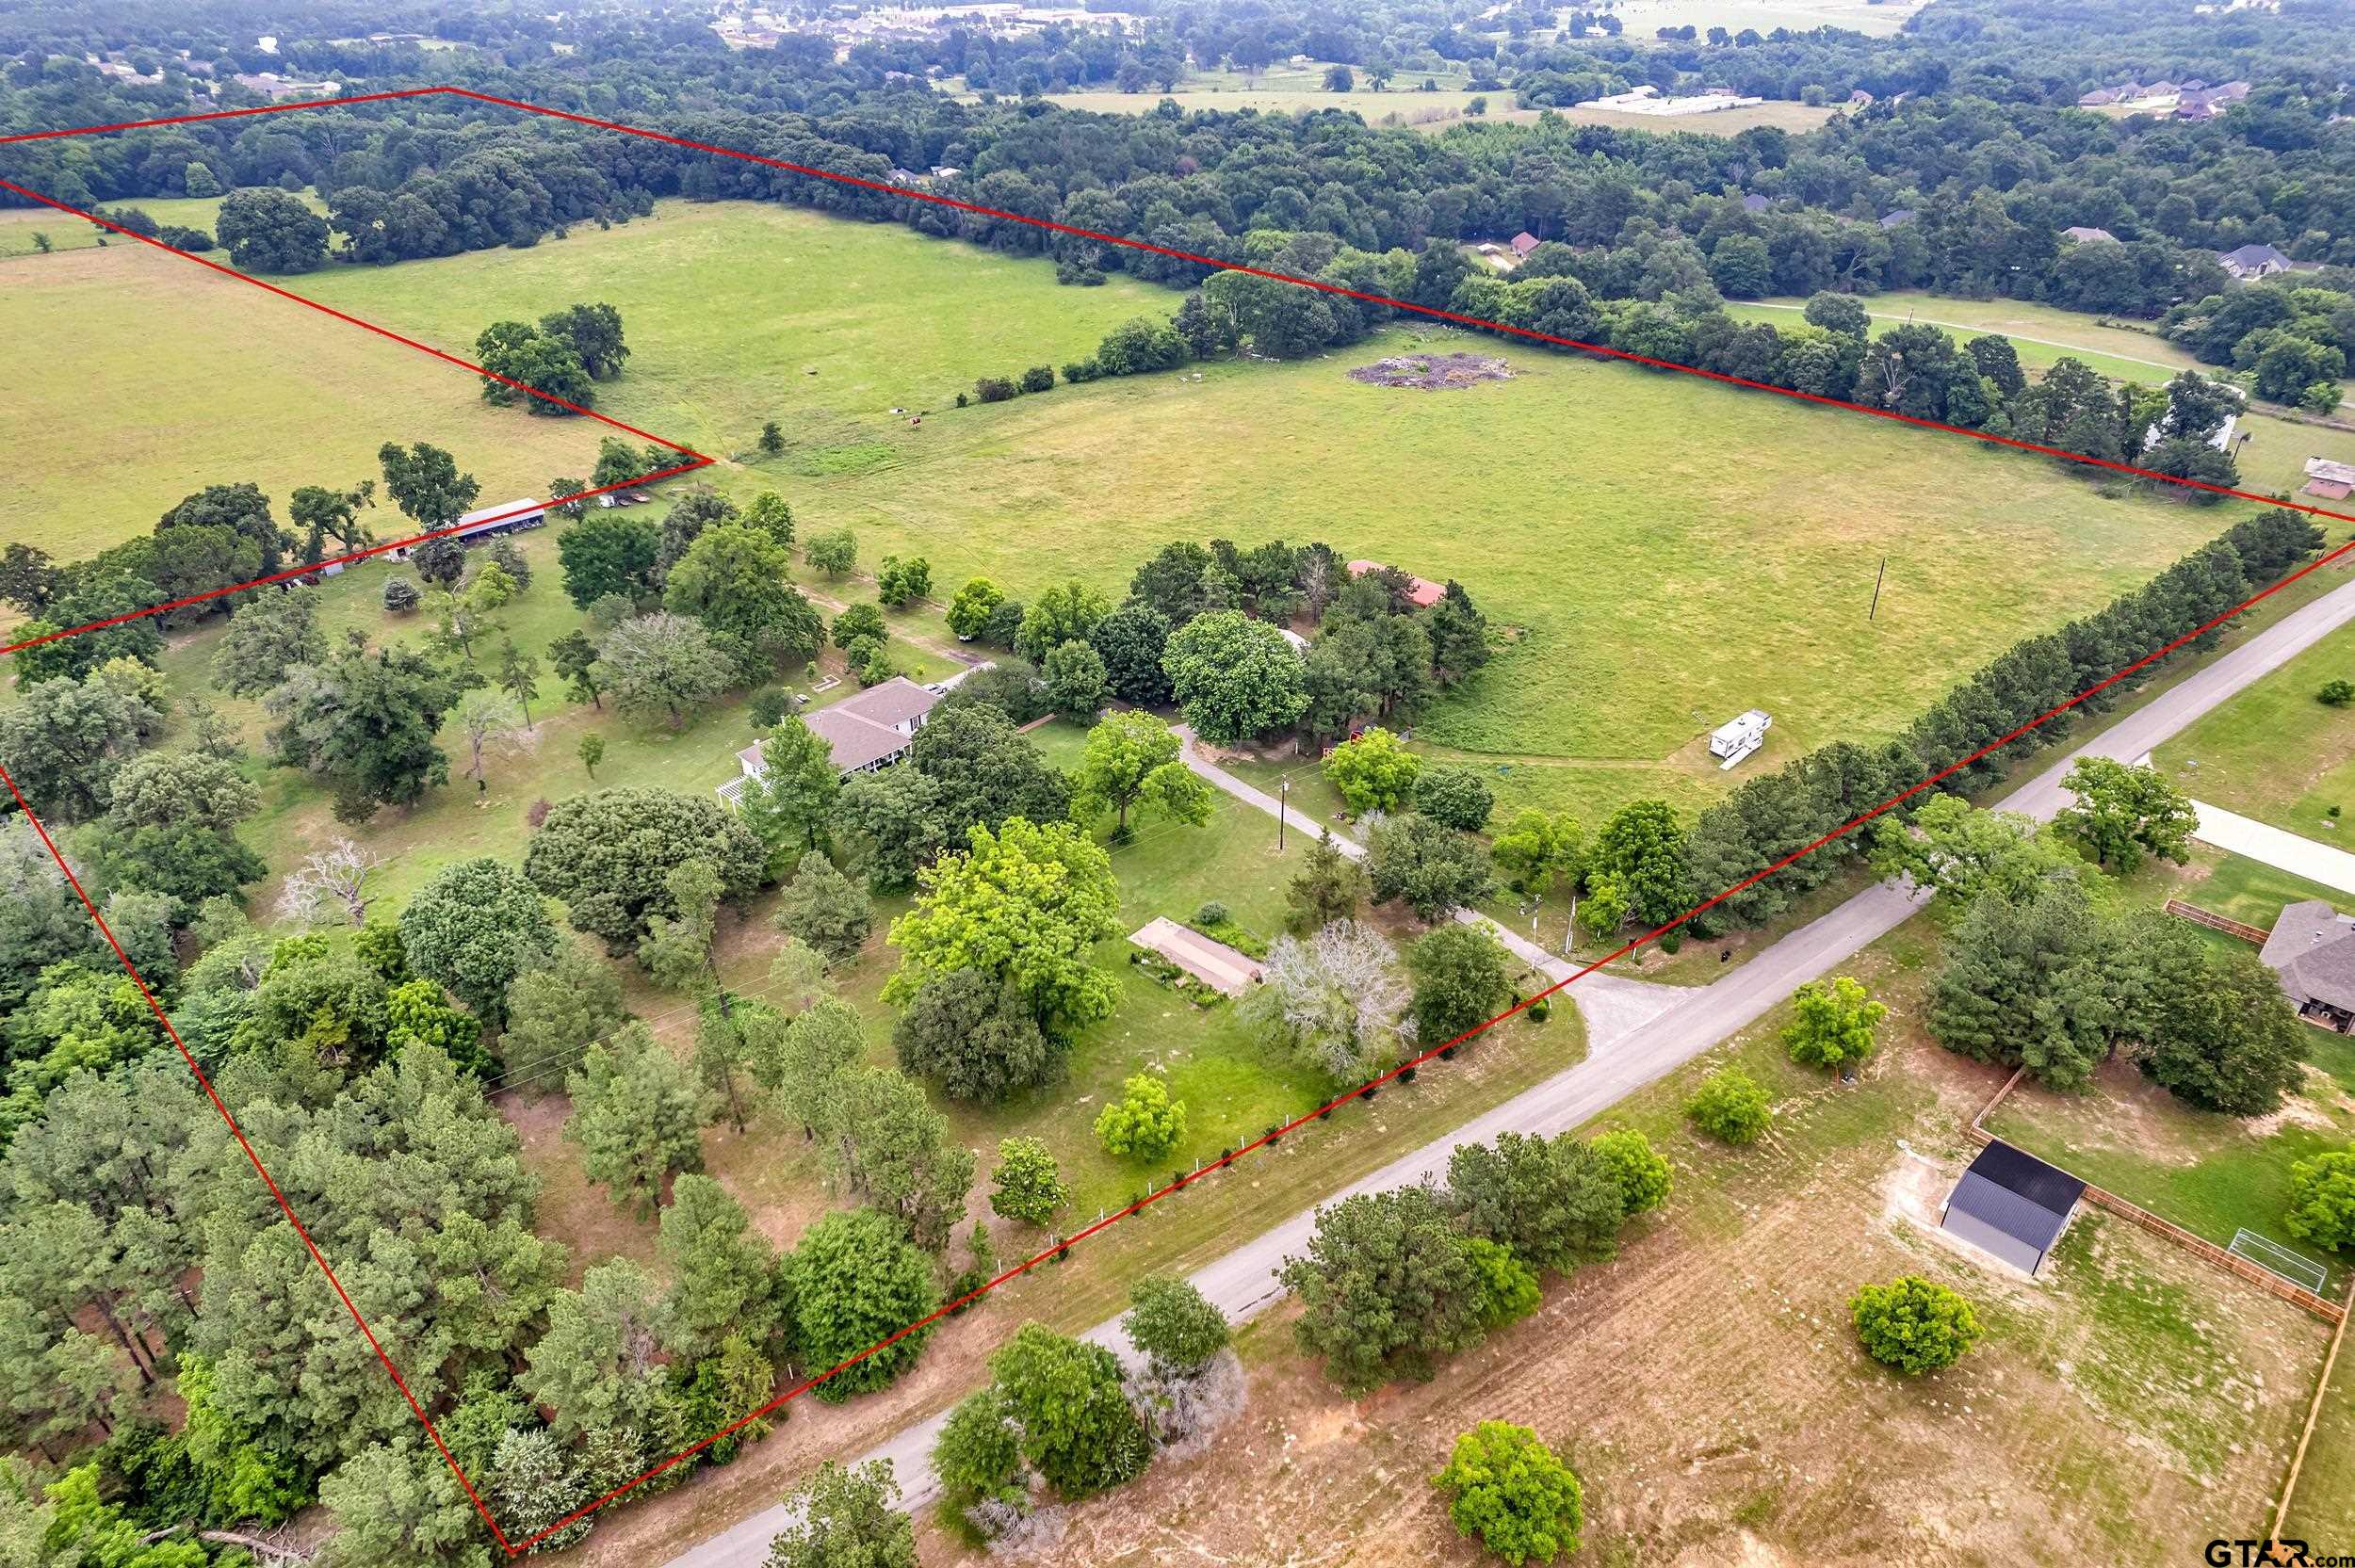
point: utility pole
(1283, 809)
(1877, 589)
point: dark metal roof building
(2012, 1205)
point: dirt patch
(1433, 372)
(1708, 1387)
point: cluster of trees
(2037, 974)
(127, 1204)
(565, 355)
(1975, 136)
(2292, 338)
(680, 611)
(220, 536)
(1061, 1419)
(1394, 1282)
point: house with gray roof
(2253, 261)
(2312, 949)
(2084, 234)
(870, 730)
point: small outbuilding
(2012, 1205)
(1524, 242)
(1738, 736)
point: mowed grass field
(165, 377)
(1657, 553)
(2274, 751)
(738, 313)
(148, 377)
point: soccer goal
(2280, 1260)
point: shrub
(769, 705)
(1039, 377)
(2336, 694)
(993, 389)
(2322, 1200)
(1508, 1489)
(1635, 1165)
(1731, 1105)
(1143, 1123)
(1914, 1325)
(401, 595)
(1212, 912)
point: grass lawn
(2212, 1174)
(164, 377)
(2274, 752)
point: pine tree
(636, 1115)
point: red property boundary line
(513, 1548)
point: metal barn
(2012, 1205)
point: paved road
(1243, 1282)
(2230, 830)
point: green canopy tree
(474, 927)
(1132, 762)
(1832, 1024)
(1507, 1488)
(1027, 904)
(856, 1280)
(1234, 678)
(2123, 812)
(636, 1116)
(845, 1518)
(723, 1274)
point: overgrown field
(1709, 1388)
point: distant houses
(1895, 216)
(2084, 235)
(2191, 99)
(2251, 262)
